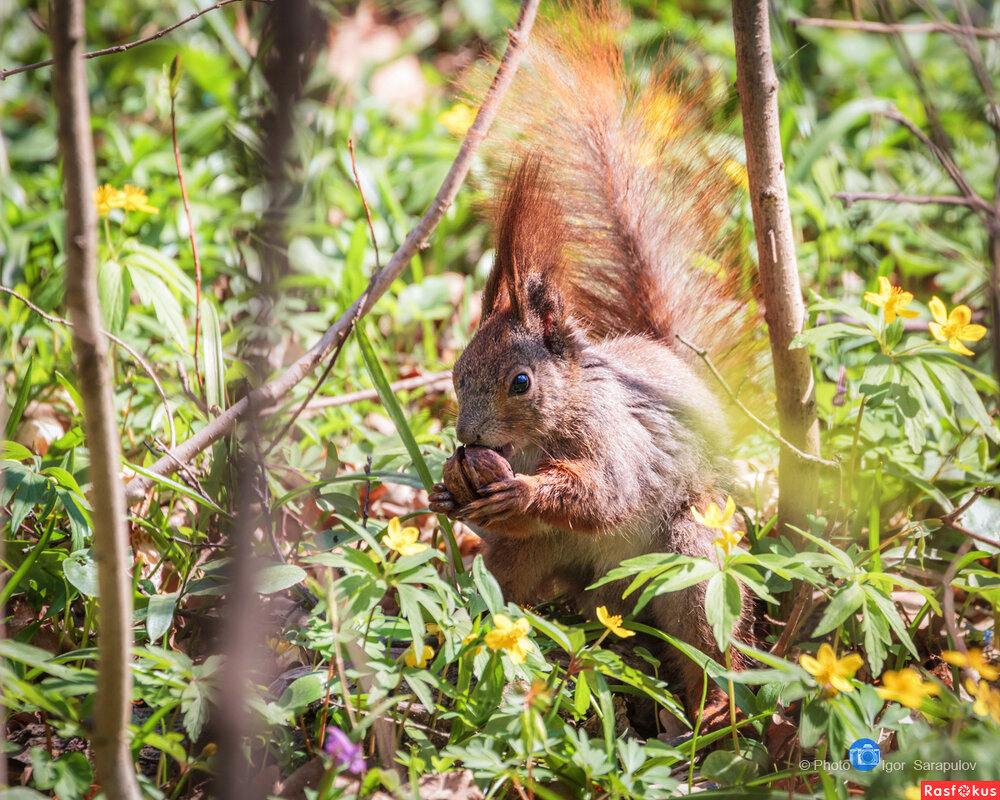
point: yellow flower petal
(874, 299)
(938, 311)
(958, 347)
(960, 316)
(971, 333)
(135, 200)
(613, 623)
(403, 540)
(410, 655)
(510, 637)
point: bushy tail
(645, 184)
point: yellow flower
(954, 328)
(891, 299)
(986, 701)
(107, 197)
(714, 518)
(912, 793)
(613, 623)
(411, 658)
(458, 119)
(973, 658)
(136, 200)
(403, 540)
(906, 687)
(828, 670)
(727, 540)
(510, 636)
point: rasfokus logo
(964, 790)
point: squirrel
(613, 236)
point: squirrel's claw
(441, 501)
(498, 501)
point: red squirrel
(613, 228)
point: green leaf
(17, 411)
(160, 615)
(844, 603)
(112, 292)
(824, 333)
(81, 571)
(723, 606)
(395, 412)
(276, 577)
(303, 691)
(211, 348)
(154, 293)
(961, 391)
(728, 768)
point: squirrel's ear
(547, 312)
(530, 236)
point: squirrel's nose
(466, 432)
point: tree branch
(885, 27)
(121, 48)
(267, 394)
(112, 711)
(849, 198)
(784, 310)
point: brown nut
(483, 466)
(470, 469)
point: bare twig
(146, 366)
(431, 379)
(121, 48)
(267, 394)
(948, 598)
(368, 211)
(115, 770)
(784, 310)
(897, 28)
(849, 198)
(174, 77)
(753, 417)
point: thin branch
(849, 198)
(121, 48)
(174, 78)
(781, 290)
(267, 394)
(147, 368)
(368, 211)
(362, 395)
(115, 770)
(896, 28)
(753, 417)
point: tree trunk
(757, 85)
(113, 760)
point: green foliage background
(914, 433)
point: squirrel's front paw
(441, 501)
(500, 501)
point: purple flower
(343, 751)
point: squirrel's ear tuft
(547, 312)
(530, 238)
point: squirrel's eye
(520, 383)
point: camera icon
(864, 755)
